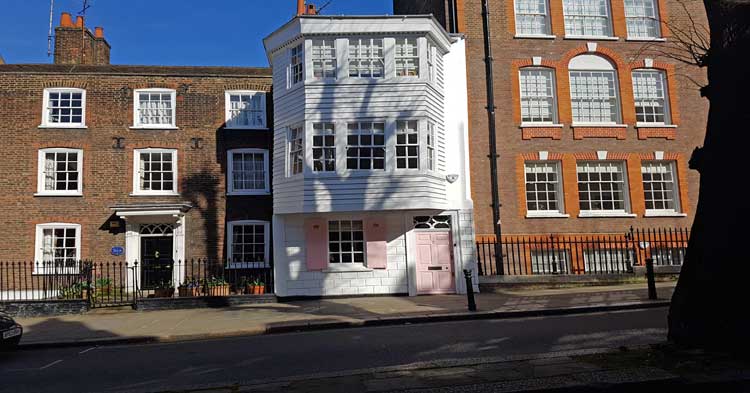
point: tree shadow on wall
(202, 190)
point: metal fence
(582, 254)
(105, 284)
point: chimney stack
(75, 44)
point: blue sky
(166, 32)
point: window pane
(650, 94)
(346, 242)
(601, 186)
(65, 108)
(531, 17)
(155, 109)
(157, 171)
(659, 185)
(587, 18)
(642, 18)
(542, 186)
(594, 97)
(365, 146)
(537, 95)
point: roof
(141, 70)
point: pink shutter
(316, 243)
(377, 243)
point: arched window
(593, 90)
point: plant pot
(84, 294)
(256, 289)
(164, 292)
(190, 292)
(221, 290)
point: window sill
(62, 127)
(646, 39)
(664, 214)
(598, 125)
(47, 194)
(347, 269)
(139, 194)
(246, 193)
(605, 215)
(547, 215)
(654, 125)
(540, 125)
(536, 36)
(155, 128)
(591, 37)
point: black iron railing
(119, 283)
(583, 254)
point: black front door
(156, 261)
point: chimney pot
(66, 20)
(79, 21)
(300, 7)
(99, 32)
(311, 9)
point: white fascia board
(276, 40)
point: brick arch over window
(622, 69)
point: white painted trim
(40, 173)
(591, 62)
(535, 36)
(133, 242)
(550, 214)
(227, 115)
(538, 125)
(646, 39)
(39, 243)
(591, 37)
(266, 241)
(136, 179)
(598, 125)
(663, 213)
(605, 214)
(45, 107)
(654, 125)
(230, 172)
(136, 122)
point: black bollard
(470, 291)
(651, 279)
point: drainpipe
(493, 136)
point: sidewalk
(122, 326)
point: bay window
(366, 58)
(407, 144)
(407, 57)
(296, 66)
(324, 147)
(296, 150)
(365, 146)
(324, 58)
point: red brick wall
(108, 173)
(689, 112)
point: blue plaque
(117, 251)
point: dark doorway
(156, 261)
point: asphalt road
(159, 367)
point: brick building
(594, 127)
(124, 163)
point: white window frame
(559, 195)
(296, 69)
(321, 60)
(625, 212)
(46, 123)
(41, 191)
(136, 172)
(545, 15)
(541, 260)
(618, 103)
(328, 244)
(289, 159)
(266, 240)
(39, 266)
(371, 60)
(371, 146)
(431, 146)
(401, 59)
(431, 60)
(136, 103)
(552, 98)
(319, 130)
(665, 93)
(228, 109)
(643, 19)
(675, 187)
(608, 15)
(230, 173)
(407, 131)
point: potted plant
(103, 287)
(164, 289)
(217, 287)
(256, 287)
(191, 288)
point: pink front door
(435, 263)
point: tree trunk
(709, 306)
